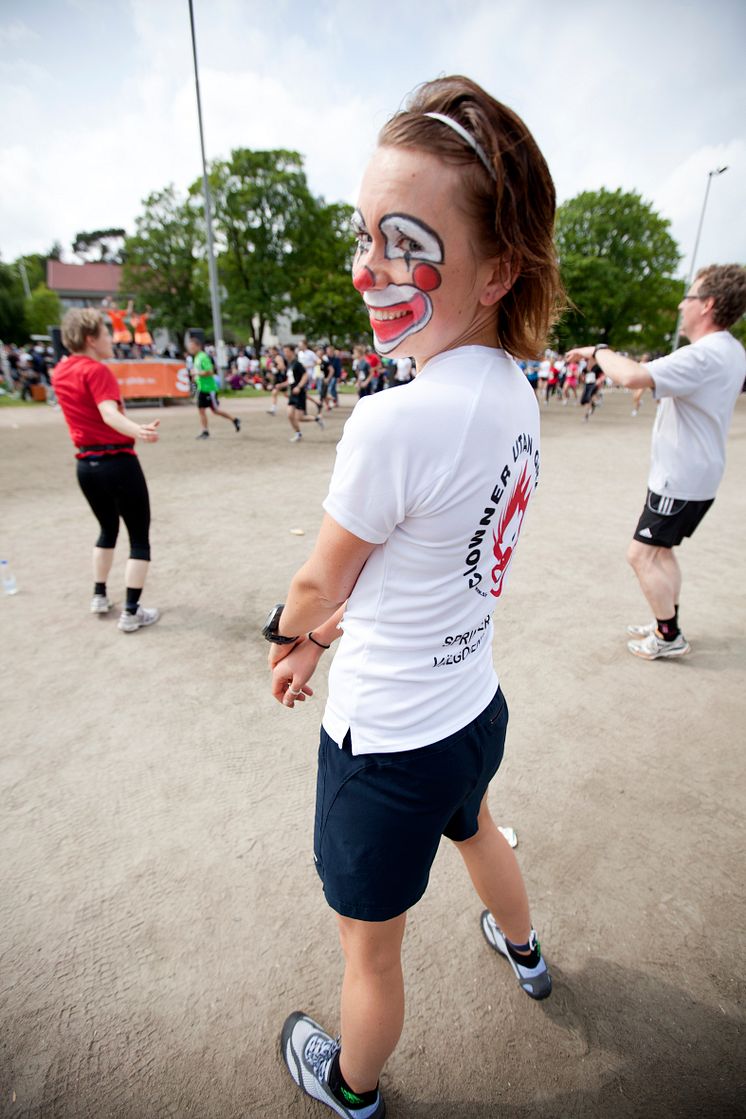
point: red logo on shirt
(508, 529)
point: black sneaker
(204, 435)
(237, 424)
(308, 1051)
(535, 981)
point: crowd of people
(558, 377)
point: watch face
(273, 620)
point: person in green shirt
(207, 389)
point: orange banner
(139, 379)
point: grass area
(7, 401)
(345, 388)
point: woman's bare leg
(497, 877)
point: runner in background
(207, 394)
(108, 470)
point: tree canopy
(617, 260)
(42, 309)
(100, 246)
(165, 262)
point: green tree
(42, 310)
(617, 260)
(12, 318)
(264, 216)
(327, 305)
(100, 246)
(165, 263)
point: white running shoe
(320, 422)
(100, 604)
(295, 438)
(308, 1051)
(128, 623)
(642, 631)
(535, 981)
(653, 647)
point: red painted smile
(397, 318)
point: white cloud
(16, 32)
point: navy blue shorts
(380, 817)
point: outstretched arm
(621, 370)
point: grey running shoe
(308, 1051)
(128, 623)
(100, 604)
(652, 648)
(320, 422)
(204, 435)
(535, 981)
(642, 631)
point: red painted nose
(363, 280)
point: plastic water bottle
(8, 578)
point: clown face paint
(398, 310)
(415, 264)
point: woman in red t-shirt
(109, 472)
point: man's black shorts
(298, 400)
(380, 817)
(665, 521)
(207, 400)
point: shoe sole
(544, 994)
(659, 656)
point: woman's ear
(502, 275)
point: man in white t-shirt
(697, 387)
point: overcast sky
(97, 104)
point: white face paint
(398, 310)
(416, 266)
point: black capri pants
(114, 486)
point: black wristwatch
(600, 346)
(270, 627)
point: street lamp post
(217, 324)
(710, 176)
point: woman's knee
(374, 946)
(107, 538)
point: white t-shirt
(438, 476)
(698, 387)
(308, 359)
(242, 363)
(403, 368)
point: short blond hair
(80, 324)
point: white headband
(459, 128)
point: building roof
(84, 278)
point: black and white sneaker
(535, 981)
(308, 1051)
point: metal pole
(217, 325)
(710, 174)
(24, 277)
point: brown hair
(80, 324)
(726, 284)
(513, 213)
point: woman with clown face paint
(455, 264)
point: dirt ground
(160, 911)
